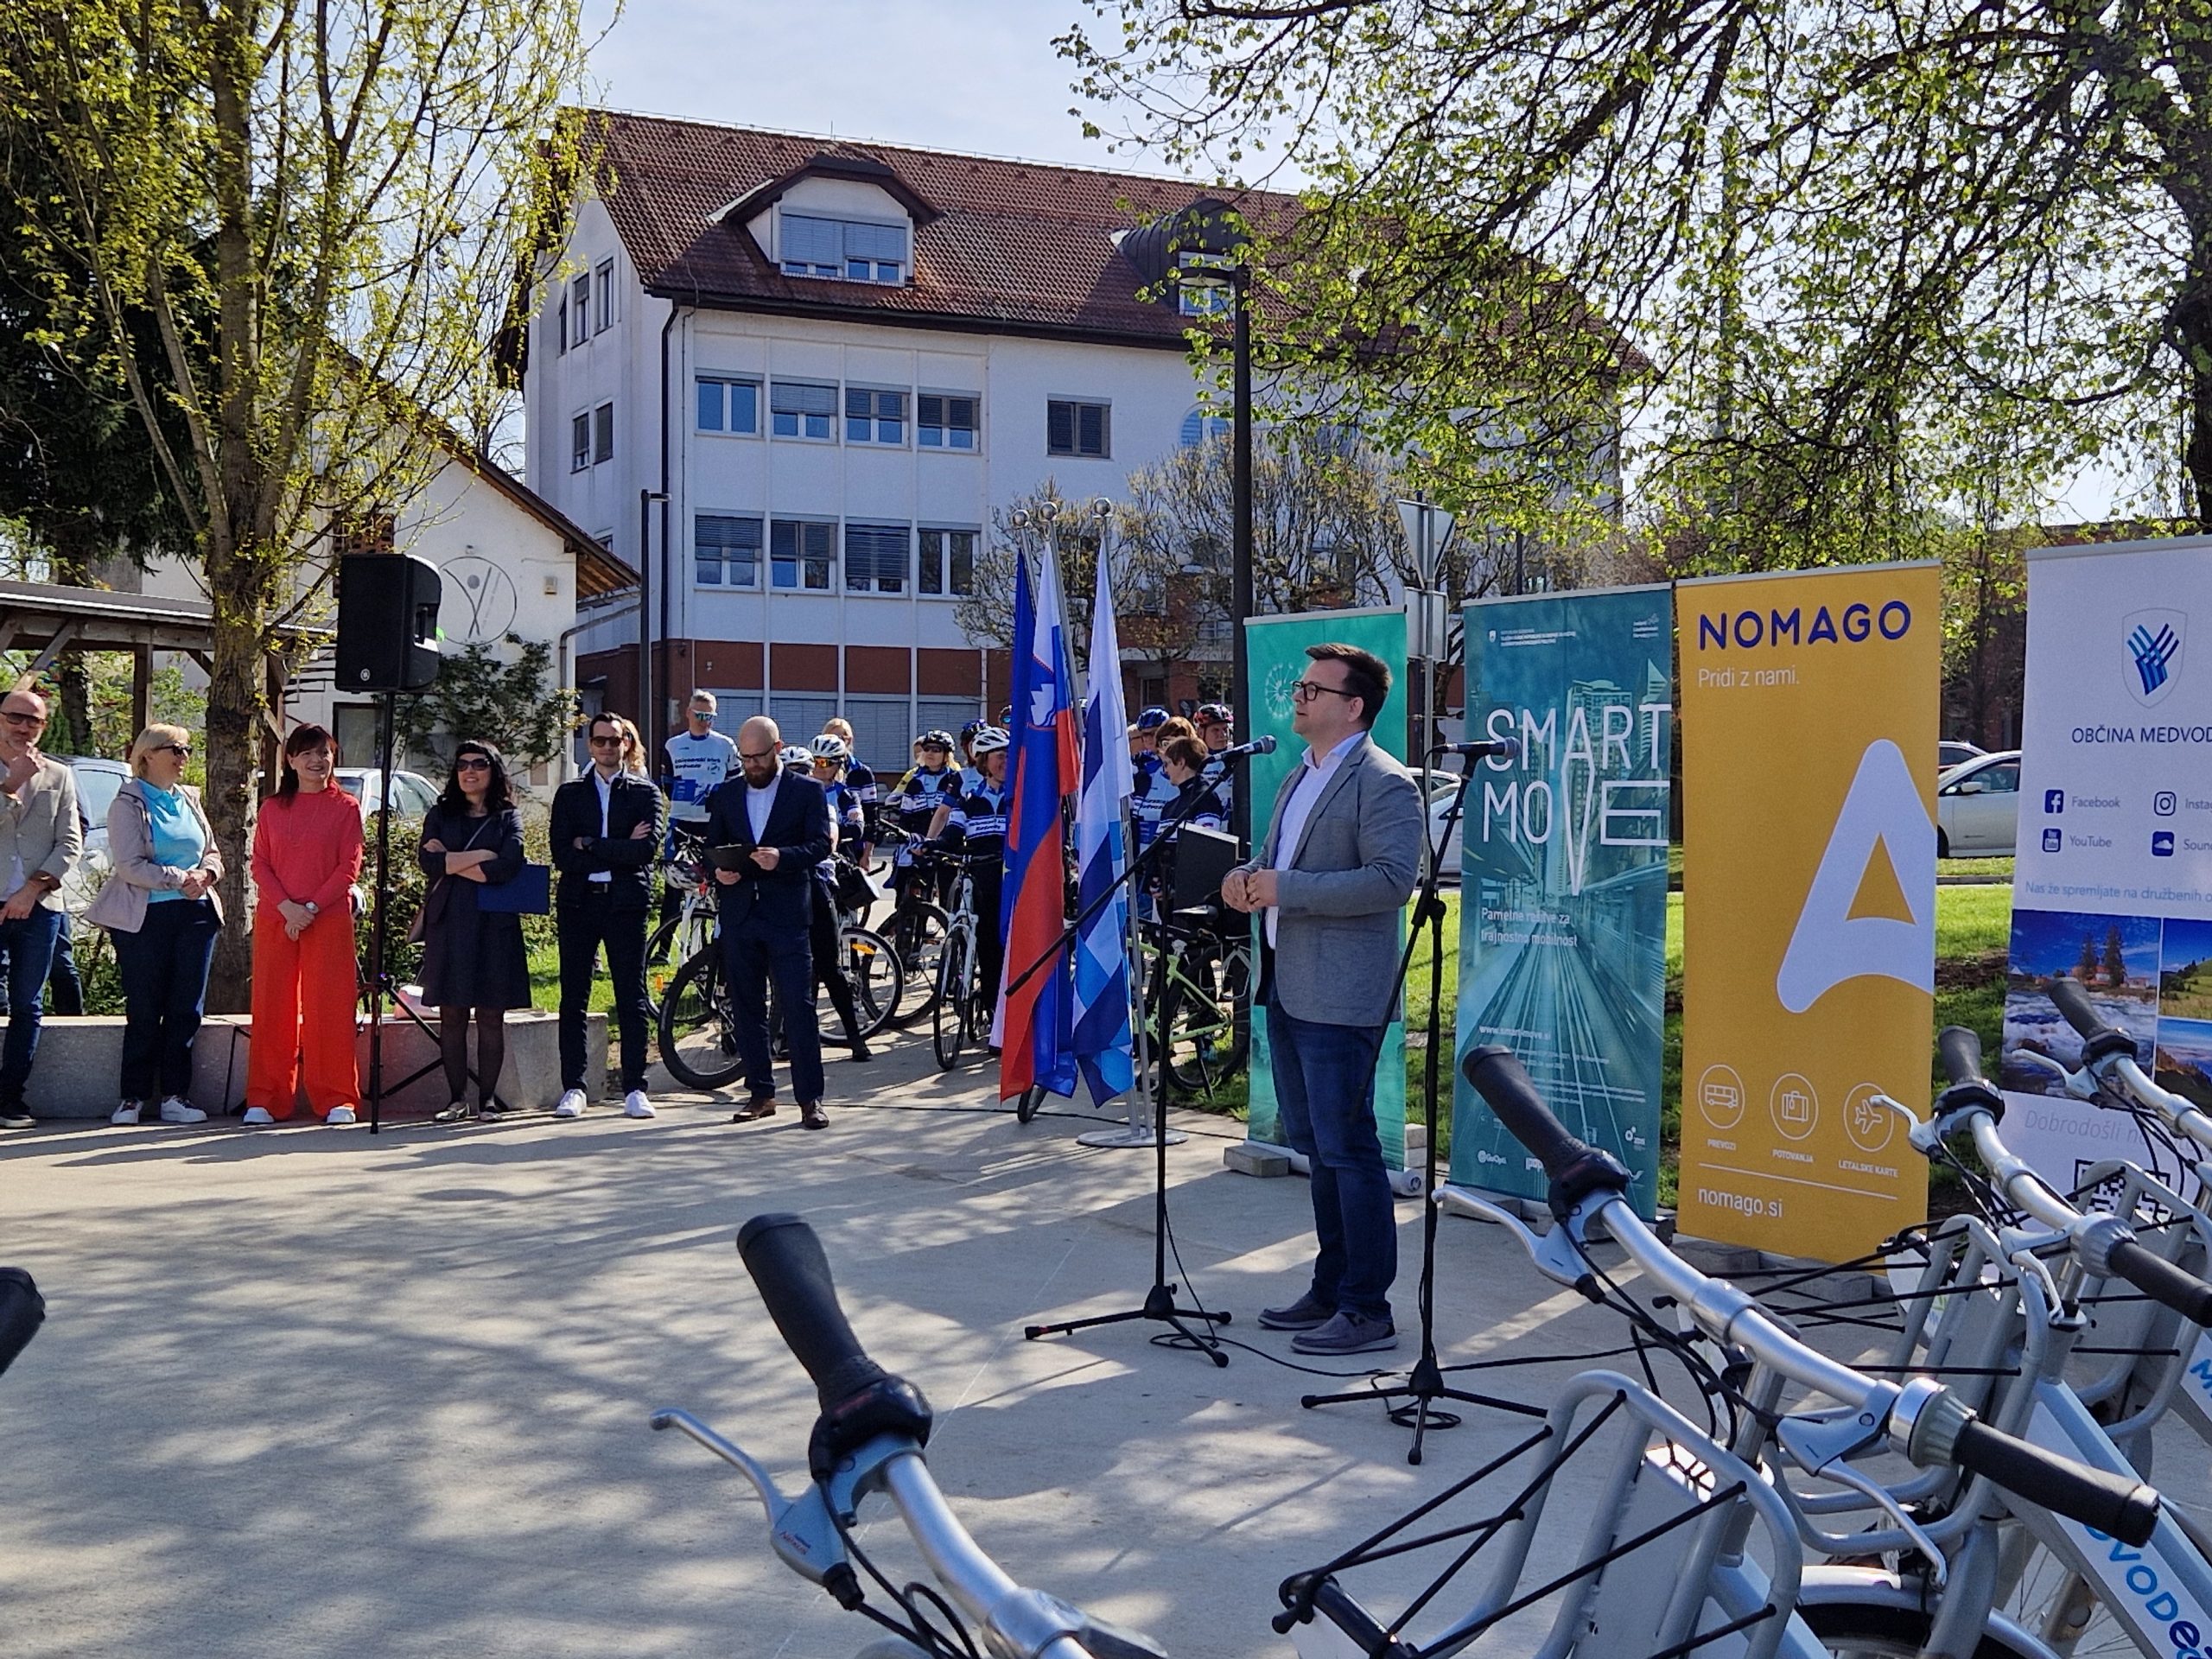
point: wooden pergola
(49, 618)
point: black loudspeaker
(1197, 860)
(387, 622)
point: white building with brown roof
(791, 379)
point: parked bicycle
(697, 1024)
(964, 1004)
(690, 929)
(916, 926)
(1200, 974)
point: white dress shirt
(605, 798)
(759, 802)
(1313, 775)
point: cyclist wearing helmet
(794, 758)
(1155, 791)
(847, 823)
(860, 779)
(970, 774)
(1217, 730)
(977, 821)
(1142, 738)
(913, 806)
(695, 762)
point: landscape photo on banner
(2112, 881)
(1809, 732)
(1563, 887)
(1274, 656)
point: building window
(579, 309)
(729, 405)
(1073, 429)
(802, 555)
(874, 416)
(797, 409)
(580, 443)
(726, 550)
(602, 423)
(876, 558)
(1199, 427)
(948, 563)
(561, 326)
(944, 422)
(843, 250)
(606, 297)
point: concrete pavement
(306, 1392)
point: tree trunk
(2192, 321)
(73, 680)
(234, 708)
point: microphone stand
(1159, 1304)
(1424, 1383)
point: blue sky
(974, 75)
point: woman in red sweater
(307, 854)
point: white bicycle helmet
(792, 755)
(831, 748)
(988, 740)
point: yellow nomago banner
(1809, 712)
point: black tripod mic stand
(1425, 1385)
(1160, 1303)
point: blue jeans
(163, 967)
(29, 945)
(753, 951)
(1325, 1090)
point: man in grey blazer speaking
(1329, 885)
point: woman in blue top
(160, 908)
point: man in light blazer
(1329, 885)
(41, 839)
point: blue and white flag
(1103, 1045)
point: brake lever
(1821, 1442)
(1554, 1253)
(800, 1530)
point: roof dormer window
(843, 250)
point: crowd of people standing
(773, 817)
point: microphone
(1238, 752)
(1504, 748)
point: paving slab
(308, 1391)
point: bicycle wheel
(950, 1003)
(1027, 1103)
(698, 1042)
(1199, 1047)
(1852, 1629)
(673, 943)
(916, 933)
(877, 976)
(2051, 1601)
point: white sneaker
(634, 1104)
(256, 1117)
(126, 1113)
(340, 1116)
(181, 1111)
(572, 1105)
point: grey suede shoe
(1348, 1333)
(1307, 1313)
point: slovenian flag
(1103, 1045)
(1035, 1030)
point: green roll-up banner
(1274, 648)
(1563, 887)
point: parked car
(1956, 751)
(411, 794)
(1978, 807)
(98, 780)
(1437, 789)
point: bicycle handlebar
(2101, 1039)
(1576, 1168)
(2126, 1510)
(1959, 1050)
(2161, 1280)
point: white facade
(932, 493)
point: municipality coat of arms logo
(2153, 640)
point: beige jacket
(39, 825)
(121, 904)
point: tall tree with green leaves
(1851, 242)
(318, 210)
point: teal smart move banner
(1275, 651)
(1563, 880)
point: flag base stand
(1129, 1135)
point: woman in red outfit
(307, 854)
